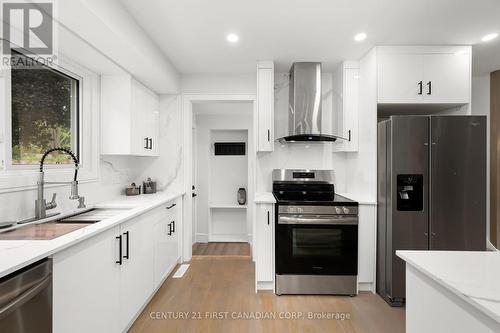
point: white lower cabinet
(264, 246)
(367, 246)
(167, 244)
(86, 283)
(102, 287)
(136, 271)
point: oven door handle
(342, 220)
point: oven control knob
(338, 210)
(345, 210)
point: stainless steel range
(316, 235)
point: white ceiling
(192, 33)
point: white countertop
(16, 254)
(264, 197)
(473, 276)
(361, 199)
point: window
(44, 112)
(45, 106)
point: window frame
(23, 177)
(76, 106)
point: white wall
(109, 28)
(481, 106)
(218, 116)
(219, 83)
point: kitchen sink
(91, 216)
(54, 227)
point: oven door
(318, 245)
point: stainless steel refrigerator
(431, 191)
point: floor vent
(181, 271)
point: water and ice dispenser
(410, 192)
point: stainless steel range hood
(304, 111)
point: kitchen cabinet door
(137, 271)
(166, 247)
(145, 106)
(154, 125)
(367, 246)
(140, 115)
(86, 285)
(265, 106)
(447, 78)
(345, 106)
(264, 243)
(130, 117)
(400, 78)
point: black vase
(242, 196)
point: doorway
(220, 165)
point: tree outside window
(44, 114)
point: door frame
(187, 124)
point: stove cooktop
(336, 200)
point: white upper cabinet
(345, 106)
(399, 78)
(130, 117)
(265, 106)
(424, 75)
(447, 78)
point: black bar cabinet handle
(173, 226)
(150, 143)
(268, 217)
(170, 229)
(147, 141)
(127, 256)
(119, 261)
(349, 135)
(429, 84)
(171, 206)
(420, 87)
(268, 135)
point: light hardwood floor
(227, 285)
(221, 249)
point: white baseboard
(205, 238)
(201, 238)
(228, 238)
(366, 286)
(265, 285)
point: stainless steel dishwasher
(26, 299)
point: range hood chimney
(304, 111)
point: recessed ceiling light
(360, 37)
(232, 38)
(489, 37)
